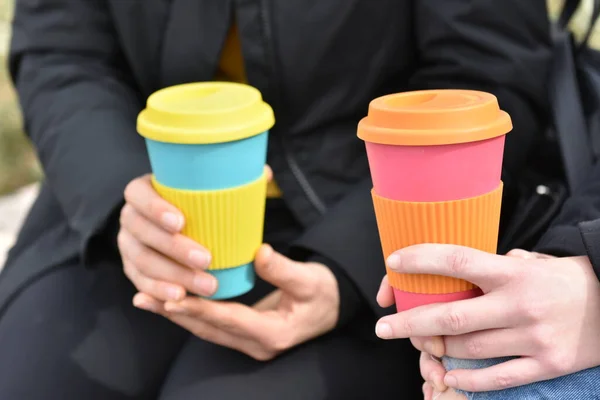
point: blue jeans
(583, 385)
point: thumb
(290, 276)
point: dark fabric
(345, 228)
(72, 333)
(564, 237)
(84, 68)
(573, 90)
(351, 302)
(336, 366)
(568, 110)
(590, 234)
(576, 230)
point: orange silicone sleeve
(472, 222)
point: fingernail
(200, 259)
(143, 305)
(450, 381)
(172, 221)
(393, 262)
(175, 308)
(175, 293)
(205, 285)
(436, 395)
(383, 330)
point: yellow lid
(206, 112)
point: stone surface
(13, 210)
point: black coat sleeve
(79, 107)
(503, 47)
(576, 230)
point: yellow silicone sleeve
(227, 222)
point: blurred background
(19, 169)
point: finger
(433, 345)
(202, 330)
(489, 311)
(157, 289)
(292, 277)
(154, 272)
(235, 318)
(213, 334)
(427, 391)
(485, 270)
(175, 246)
(516, 372)
(146, 302)
(385, 296)
(269, 173)
(433, 372)
(141, 195)
(489, 344)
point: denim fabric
(583, 385)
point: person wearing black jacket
(83, 70)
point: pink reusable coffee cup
(436, 160)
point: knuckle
(125, 212)
(408, 327)
(121, 240)
(133, 275)
(156, 207)
(453, 321)
(530, 310)
(135, 224)
(457, 261)
(560, 364)
(503, 381)
(129, 271)
(131, 188)
(542, 338)
(175, 245)
(474, 348)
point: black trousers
(73, 334)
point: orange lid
(434, 117)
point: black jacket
(83, 70)
(576, 230)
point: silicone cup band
(472, 222)
(228, 222)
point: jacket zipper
(293, 165)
